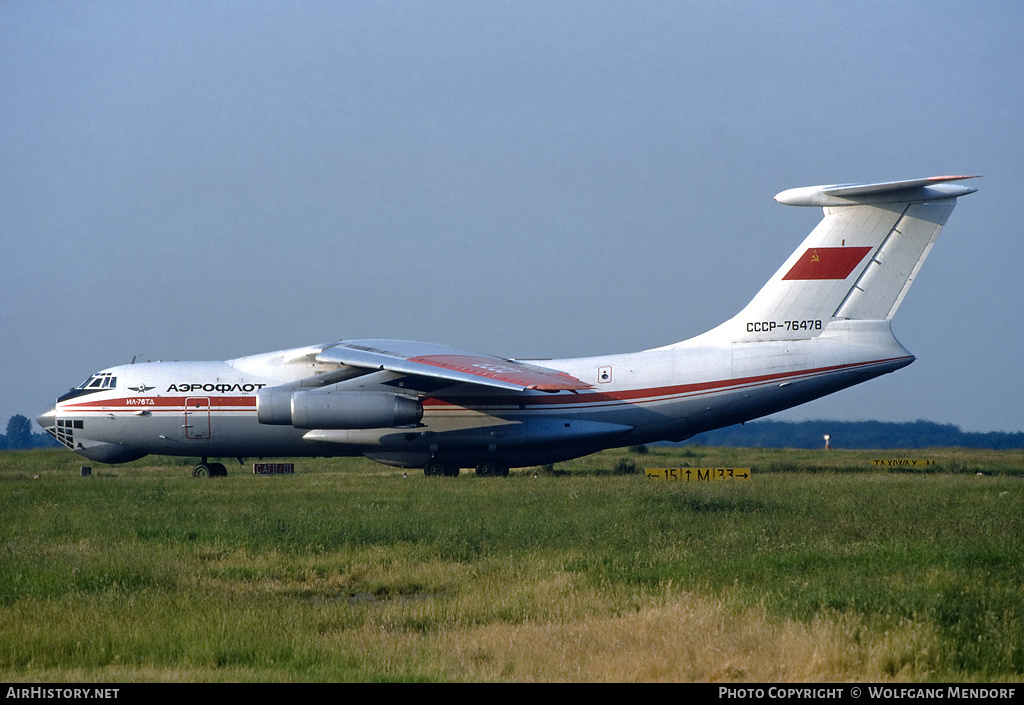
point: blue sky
(197, 180)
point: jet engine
(336, 409)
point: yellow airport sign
(698, 474)
(903, 463)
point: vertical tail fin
(857, 264)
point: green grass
(349, 571)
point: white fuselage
(820, 324)
(208, 409)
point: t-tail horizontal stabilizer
(911, 190)
(857, 264)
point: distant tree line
(755, 434)
(19, 436)
(855, 435)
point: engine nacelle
(274, 406)
(336, 409)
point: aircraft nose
(47, 420)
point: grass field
(822, 567)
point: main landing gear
(205, 469)
(436, 467)
(490, 468)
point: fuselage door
(197, 418)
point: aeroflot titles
(215, 387)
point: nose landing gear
(206, 469)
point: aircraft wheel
(489, 468)
(437, 467)
(434, 468)
(210, 470)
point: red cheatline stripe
(160, 403)
(649, 394)
(826, 263)
(576, 400)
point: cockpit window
(101, 380)
(96, 383)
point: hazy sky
(196, 180)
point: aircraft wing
(446, 363)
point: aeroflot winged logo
(141, 389)
(826, 263)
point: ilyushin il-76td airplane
(820, 324)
